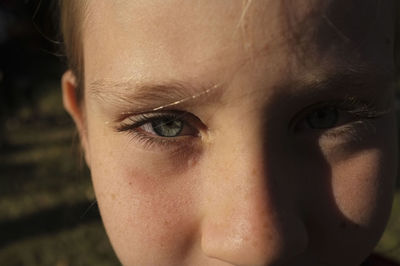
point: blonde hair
(72, 20)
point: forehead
(164, 39)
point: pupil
(323, 118)
(167, 127)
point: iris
(166, 127)
(323, 118)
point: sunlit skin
(286, 154)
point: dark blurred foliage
(29, 54)
(48, 214)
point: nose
(248, 217)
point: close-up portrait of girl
(236, 132)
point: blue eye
(166, 127)
(162, 125)
(323, 118)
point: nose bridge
(247, 220)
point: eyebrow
(145, 97)
(368, 89)
(363, 81)
(130, 98)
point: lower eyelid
(353, 131)
(151, 142)
(148, 141)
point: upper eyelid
(149, 117)
(302, 114)
(141, 119)
(352, 106)
(188, 118)
(125, 115)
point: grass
(47, 215)
(84, 244)
(389, 245)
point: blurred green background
(48, 213)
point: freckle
(254, 171)
(191, 162)
(113, 196)
(265, 225)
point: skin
(249, 182)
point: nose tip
(249, 220)
(253, 241)
(250, 216)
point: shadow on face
(291, 164)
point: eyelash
(359, 113)
(134, 122)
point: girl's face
(285, 154)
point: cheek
(362, 188)
(362, 174)
(363, 177)
(348, 195)
(148, 209)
